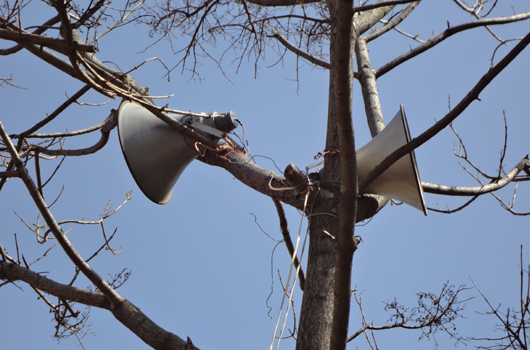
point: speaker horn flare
(402, 180)
(157, 154)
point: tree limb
(446, 34)
(52, 43)
(478, 190)
(255, 177)
(393, 23)
(41, 29)
(7, 174)
(274, 3)
(433, 313)
(299, 52)
(381, 4)
(372, 105)
(128, 314)
(109, 124)
(54, 60)
(69, 249)
(55, 113)
(15, 272)
(368, 19)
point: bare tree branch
(124, 311)
(478, 190)
(382, 4)
(257, 178)
(309, 28)
(513, 323)
(117, 24)
(52, 43)
(55, 113)
(434, 313)
(7, 174)
(300, 53)
(393, 23)
(366, 76)
(446, 34)
(274, 3)
(14, 272)
(121, 308)
(451, 211)
(41, 29)
(56, 229)
(368, 19)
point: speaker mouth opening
(157, 154)
(413, 161)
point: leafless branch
(15, 272)
(393, 23)
(120, 307)
(446, 34)
(105, 127)
(451, 211)
(382, 4)
(33, 39)
(474, 191)
(433, 314)
(275, 3)
(41, 29)
(300, 53)
(475, 9)
(52, 59)
(514, 323)
(509, 207)
(496, 182)
(55, 113)
(52, 224)
(118, 23)
(8, 174)
(366, 77)
(7, 81)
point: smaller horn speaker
(157, 154)
(402, 180)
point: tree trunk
(326, 303)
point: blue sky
(200, 265)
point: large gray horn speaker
(157, 154)
(402, 180)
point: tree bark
(326, 303)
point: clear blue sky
(201, 267)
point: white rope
(288, 282)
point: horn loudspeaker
(156, 153)
(402, 180)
